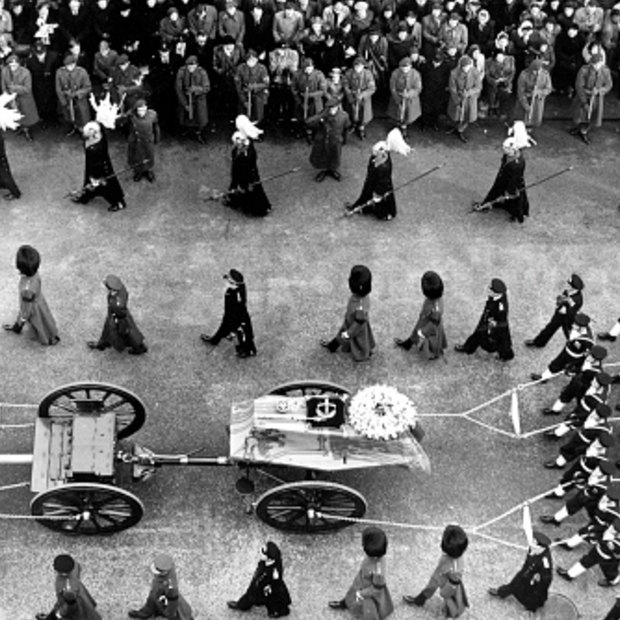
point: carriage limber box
(75, 448)
(312, 432)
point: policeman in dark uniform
(530, 586)
(492, 332)
(595, 425)
(606, 554)
(568, 303)
(574, 352)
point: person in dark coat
(369, 597)
(164, 600)
(119, 330)
(567, 305)
(267, 586)
(43, 64)
(377, 197)
(530, 586)
(434, 95)
(508, 190)
(246, 191)
(99, 177)
(236, 321)
(330, 133)
(161, 81)
(448, 574)
(355, 335)
(68, 580)
(33, 308)
(6, 177)
(143, 136)
(492, 332)
(428, 334)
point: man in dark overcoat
(492, 332)
(330, 127)
(434, 95)
(42, 64)
(530, 586)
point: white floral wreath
(381, 412)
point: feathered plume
(522, 139)
(396, 143)
(9, 114)
(247, 127)
(106, 112)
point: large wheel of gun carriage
(317, 427)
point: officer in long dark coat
(508, 190)
(236, 321)
(530, 586)
(99, 177)
(119, 330)
(568, 303)
(330, 133)
(492, 332)
(434, 95)
(6, 178)
(143, 135)
(42, 64)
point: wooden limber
(73, 449)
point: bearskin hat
(374, 542)
(27, 260)
(432, 285)
(454, 541)
(360, 280)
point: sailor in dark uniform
(606, 554)
(574, 352)
(492, 332)
(568, 304)
(594, 426)
(530, 586)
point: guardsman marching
(592, 84)
(588, 495)
(163, 600)
(492, 332)
(359, 87)
(596, 393)
(405, 89)
(465, 87)
(72, 89)
(606, 554)
(568, 304)
(594, 426)
(252, 84)
(530, 586)
(579, 472)
(533, 86)
(574, 352)
(606, 512)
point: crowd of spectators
(282, 59)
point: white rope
(27, 425)
(18, 485)
(18, 406)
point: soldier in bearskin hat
(355, 335)
(448, 574)
(428, 335)
(369, 596)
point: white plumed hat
(9, 116)
(396, 143)
(521, 138)
(247, 127)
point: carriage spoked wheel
(309, 388)
(96, 398)
(310, 506)
(87, 508)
